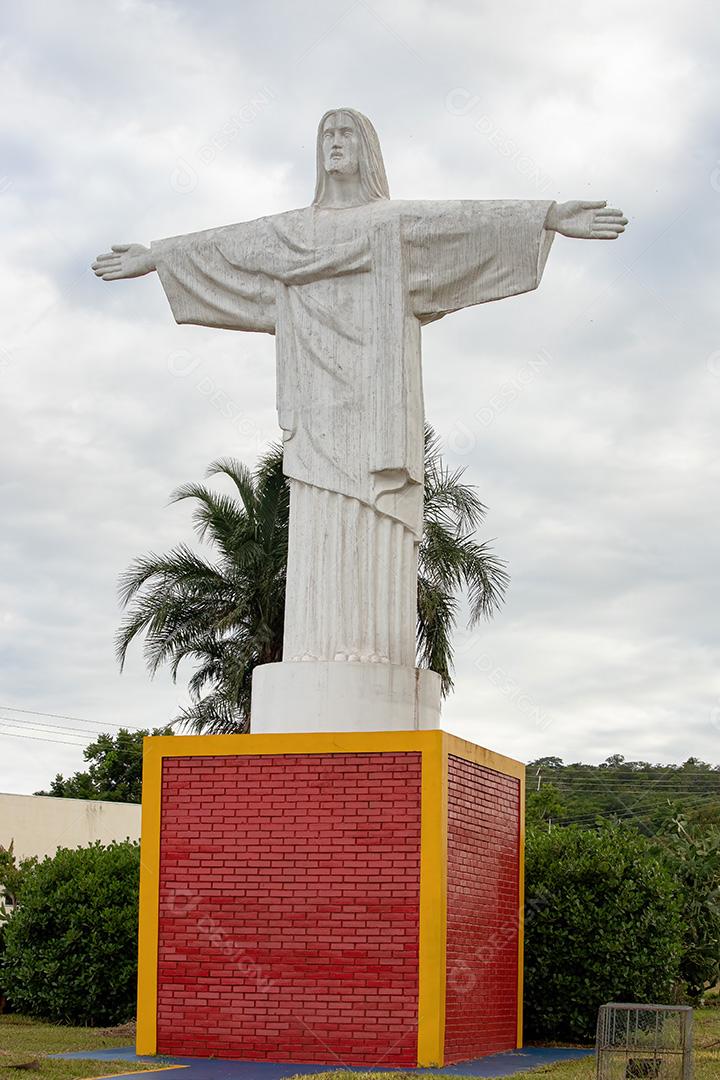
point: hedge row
(71, 946)
(610, 916)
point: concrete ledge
(343, 696)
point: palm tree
(226, 615)
(451, 562)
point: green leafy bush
(71, 947)
(3, 1000)
(693, 856)
(603, 923)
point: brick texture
(483, 891)
(288, 920)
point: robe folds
(346, 291)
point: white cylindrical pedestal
(343, 696)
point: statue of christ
(345, 285)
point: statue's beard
(341, 167)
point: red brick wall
(288, 922)
(482, 928)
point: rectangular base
(331, 898)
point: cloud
(585, 413)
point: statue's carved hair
(373, 180)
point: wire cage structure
(644, 1042)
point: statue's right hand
(124, 261)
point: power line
(14, 735)
(688, 789)
(66, 730)
(647, 782)
(701, 785)
(78, 719)
(46, 738)
(696, 801)
(600, 783)
(60, 728)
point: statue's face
(340, 145)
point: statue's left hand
(586, 220)
(124, 261)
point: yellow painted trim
(146, 1037)
(158, 747)
(138, 1072)
(434, 746)
(508, 767)
(348, 742)
(433, 904)
(521, 916)
(498, 762)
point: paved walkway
(215, 1069)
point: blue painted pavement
(495, 1065)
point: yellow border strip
(498, 762)
(158, 747)
(138, 1072)
(433, 905)
(434, 746)
(521, 915)
(146, 1036)
(346, 742)
(508, 767)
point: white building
(39, 824)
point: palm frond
(226, 617)
(181, 567)
(214, 714)
(451, 561)
(242, 478)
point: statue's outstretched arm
(124, 261)
(586, 220)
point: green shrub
(603, 924)
(693, 856)
(71, 947)
(3, 1000)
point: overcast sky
(585, 412)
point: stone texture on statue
(346, 292)
(330, 696)
(345, 285)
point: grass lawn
(707, 1059)
(23, 1041)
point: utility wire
(46, 738)
(59, 728)
(63, 729)
(14, 735)
(78, 719)
(599, 783)
(694, 801)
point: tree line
(649, 797)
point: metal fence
(644, 1042)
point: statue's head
(348, 146)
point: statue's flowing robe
(346, 291)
